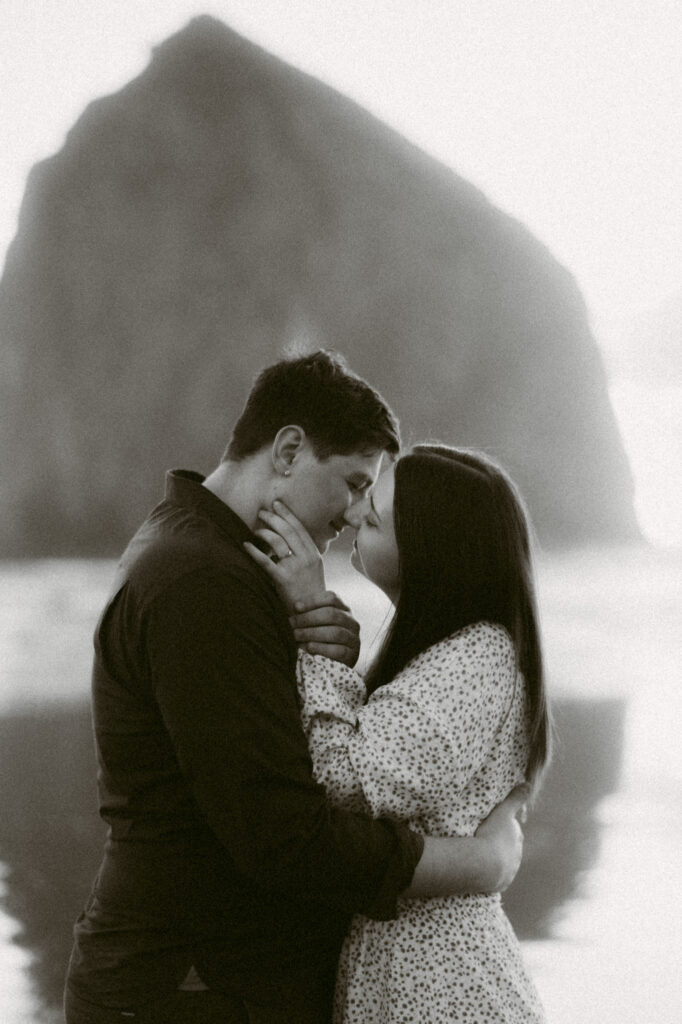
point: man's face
(321, 493)
(375, 551)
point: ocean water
(598, 901)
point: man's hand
(486, 862)
(323, 624)
(502, 833)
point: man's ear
(288, 444)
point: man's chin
(323, 542)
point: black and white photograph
(340, 512)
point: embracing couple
(288, 842)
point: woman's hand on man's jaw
(321, 621)
(295, 565)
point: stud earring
(287, 472)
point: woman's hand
(298, 571)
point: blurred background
(480, 206)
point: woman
(451, 716)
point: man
(227, 881)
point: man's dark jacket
(222, 851)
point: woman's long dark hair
(464, 547)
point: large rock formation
(223, 207)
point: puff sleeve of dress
(426, 746)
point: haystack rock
(224, 208)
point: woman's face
(375, 551)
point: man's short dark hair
(340, 412)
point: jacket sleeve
(223, 675)
(428, 730)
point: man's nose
(356, 512)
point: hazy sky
(566, 113)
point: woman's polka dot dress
(438, 748)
